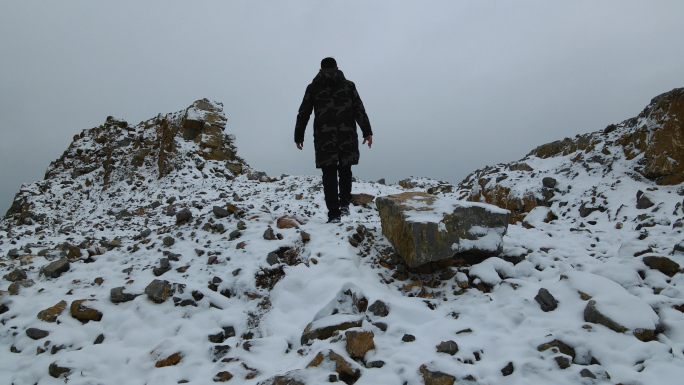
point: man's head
(328, 63)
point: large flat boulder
(425, 228)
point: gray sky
(449, 86)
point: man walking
(337, 109)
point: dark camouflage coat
(337, 108)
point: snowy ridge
(243, 290)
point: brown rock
(346, 371)
(359, 343)
(436, 378)
(286, 222)
(171, 360)
(56, 371)
(84, 313)
(560, 346)
(361, 199)
(222, 377)
(662, 264)
(50, 314)
(311, 332)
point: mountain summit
(153, 254)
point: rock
(220, 212)
(549, 182)
(183, 216)
(55, 371)
(361, 199)
(436, 378)
(50, 314)
(508, 369)
(678, 248)
(563, 362)
(663, 264)
(14, 287)
(241, 225)
(163, 267)
(585, 211)
(324, 328)
(117, 295)
(234, 235)
(168, 241)
(13, 253)
(36, 334)
(269, 235)
(290, 378)
(348, 372)
(218, 351)
(448, 347)
(379, 309)
(306, 237)
(16, 275)
(425, 228)
(559, 346)
(591, 314)
(586, 373)
(55, 269)
(223, 376)
(84, 313)
(99, 340)
(171, 360)
(546, 300)
(158, 291)
(359, 343)
(286, 222)
(408, 338)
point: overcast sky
(449, 86)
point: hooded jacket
(337, 109)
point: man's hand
(300, 145)
(368, 139)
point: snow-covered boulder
(425, 228)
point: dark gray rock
(375, 364)
(408, 338)
(269, 235)
(546, 300)
(591, 314)
(645, 200)
(158, 290)
(163, 267)
(234, 235)
(549, 182)
(379, 309)
(100, 339)
(18, 274)
(448, 347)
(586, 373)
(143, 234)
(272, 258)
(679, 247)
(14, 287)
(220, 212)
(117, 295)
(508, 369)
(311, 332)
(183, 216)
(36, 334)
(168, 241)
(585, 210)
(13, 253)
(663, 264)
(55, 269)
(241, 225)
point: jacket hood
(329, 77)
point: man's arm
(303, 117)
(368, 139)
(360, 115)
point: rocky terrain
(153, 254)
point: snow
(500, 324)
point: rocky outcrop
(425, 228)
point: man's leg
(345, 185)
(332, 201)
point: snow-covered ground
(223, 277)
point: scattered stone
(234, 235)
(269, 235)
(36, 334)
(50, 314)
(171, 360)
(163, 267)
(375, 364)
(562, 361)
(241, 225)
(328, 328)
(287, 222)
(117, 295)
(361, 199)
(183, 216)
(219, 351)
(546, 300)
(100, 339)
(306, 237)
(585, 210)
(436, 378)
(3, 308)
(359, 343)
(549, 182)
(272, 258)
(645, 200)
(346, 371)
(508, 369)
(55, 269)
(56, 371)
(84, 313)
(158, 290)
(379, 309)
(223, 376)
(448, 347)
(168, 241)
(290, 378)
(18, 274)
(663, 264)
(408, 338)
(13, 253)
(98, 281)
(586, 373)
(559, 346)
(220, 212)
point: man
(337, 108)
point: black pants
(334, 198)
